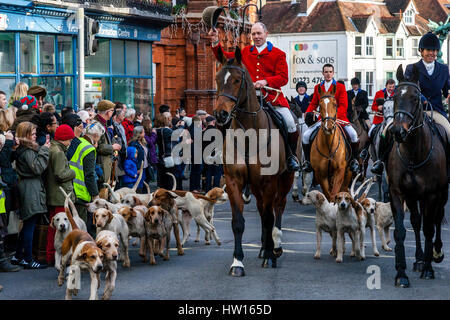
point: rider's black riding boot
(365, 151)
(378, 166)
(307, 152)
(354, 165)
(292, 160)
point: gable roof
(335, 16)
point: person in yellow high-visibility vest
(83, 163)
(5, 266)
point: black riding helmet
(430, 41)
(301, 84)
(355, 81)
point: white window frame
(415, 47)
(369, 46)
(387, 77)
(397, 48)
(361, 72)
(409, 17)
(370, 83)
(391, 47)
(361, 46)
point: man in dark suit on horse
(361, 101)
(303, 99)
(268, 68)
(433, 83)
(342, 101)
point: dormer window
(408, 17)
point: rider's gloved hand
(309, 119)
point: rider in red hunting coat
(342, 104)
(267, 67)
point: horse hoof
(237, 272)
(402, 282)
(261, 253)
(427, 274)
(418, 266)
(438, 257)
(278, 252)
(271, 262)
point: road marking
(303, 216)
(297, 230)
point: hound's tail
(139, 178)
(67, 209)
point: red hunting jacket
(378, 118)
(269, 65)
(341, 98)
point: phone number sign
(307, 59)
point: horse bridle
(236, 100)
(333, 119)
(408, 163)
(414, 117)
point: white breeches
(349, 129)
(309, 131)
(371, 129)
(287, 116)
(440, 119)
(351, 133)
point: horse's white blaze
(227, 75)
(237, 263)
(276, 236)
(326, 100)
(403, 91)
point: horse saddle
(275, 116)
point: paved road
(202, 273)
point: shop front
(38, 45)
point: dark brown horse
(417, 174)
(238, 107)
(363, 135)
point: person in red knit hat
(59, 175)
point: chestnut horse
(328, 151)
(238, 108)
(417, 174)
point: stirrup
(292, 163)
(354, 166)
(377, 168)
(364, 154)
(307, 166)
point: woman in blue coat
(130, 168)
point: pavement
(202, 273)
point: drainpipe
(80, 23)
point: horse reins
(408, 163)
(237, 102)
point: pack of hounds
(348, 213)
(150, 217)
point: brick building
(185, 67)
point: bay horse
(328, 150)
(238, 108)
(417, 174)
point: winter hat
(301, 84)
(30, 101)
(210, 118)
(64, 132)
(105, 105)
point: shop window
(59, 90)
(132, 57)
(47, 54)
(135, 93)
(7, 85)
(96, 89)
(98, 63)
(27, 53)
(65, 54)
(7, 54)
(145, 51)
(117, 56)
